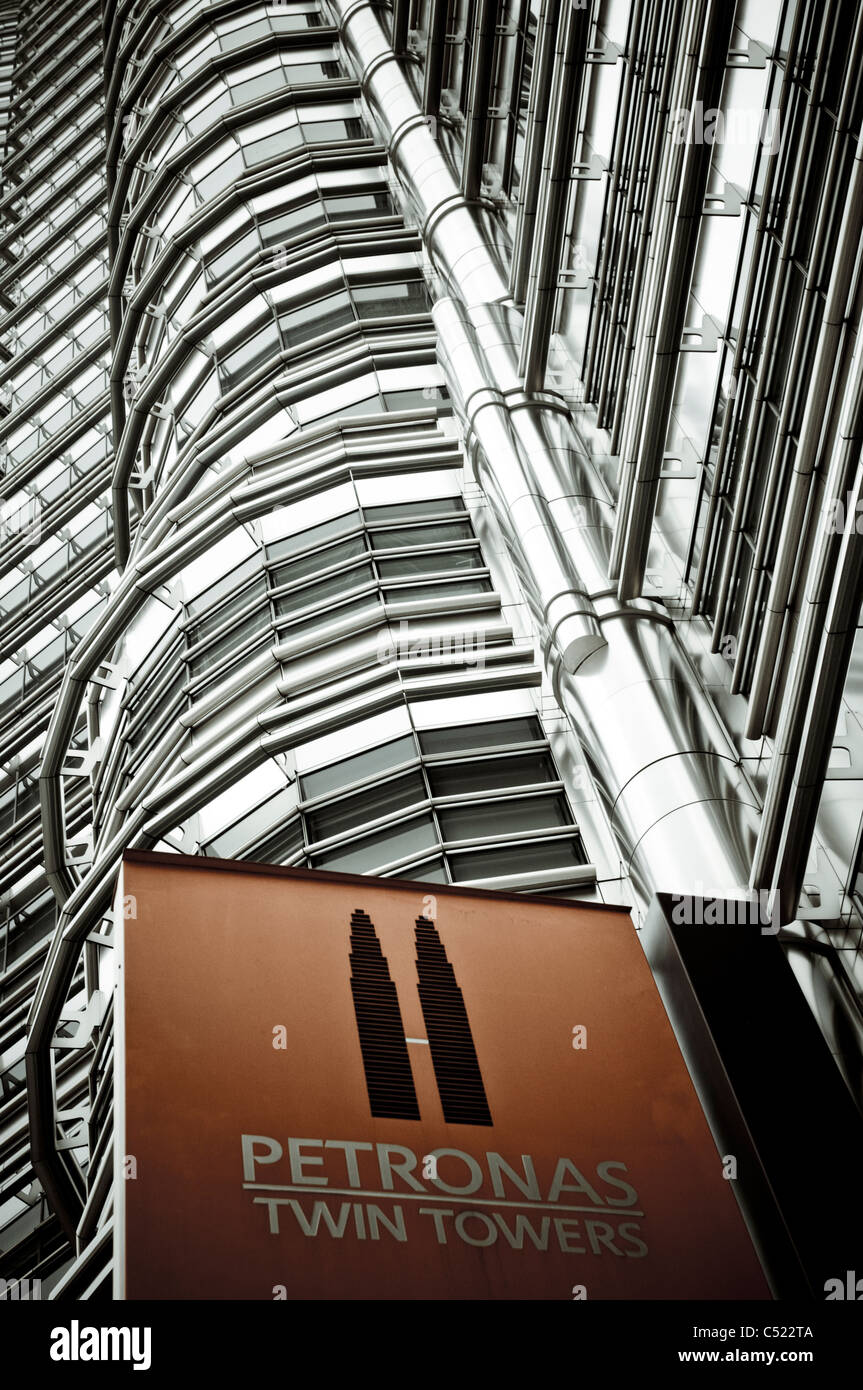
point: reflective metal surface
(429, 443)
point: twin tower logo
(389, 1078)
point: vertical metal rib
(618, 171)
(434, 57)
(743, 346)
(677, 279)
(401, 9)
(738, 518)
(554, 195)
(649, 125)
(537, 118)
(678, 89)
(824, 367)
(817, 678)
(478, 98)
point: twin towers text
(347, 1189)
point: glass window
(532, 856)
(523, 729)
(313, 72)
(406, 511)
(263, 348)
(417, 398)
(26, 931)
(273, 146)
(358, 205)
(259, 29)
(432, 871)
(372, 851)
(314, 536)
(254, 823)
(318, 132)
(338, 585)
(320, 560)
(240, 250)
(366, 806)
(168, 706)
(422, 535)
(284, 845)
(509, 814)
(397, 297)
(291, 222)
(363, 607)
(309, 320)
(439, 560)
(200, 630)
(208, 185)
(255, 87)
(445, 588)
(258, 621)
(484, 774)
(358, 766)
(310, 19)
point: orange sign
(340, 1087)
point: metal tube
(614, 229)
(401, 10)
(742, 346)
(554, 196)
(674, 301)
(528, 193)
(643, 121)
(823, 652)
(824, 366)
(683, 810)
(641, 322)
(478, 99)
(433, 74)
(779, 281)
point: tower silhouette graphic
(456, 1065)
(389, 1077)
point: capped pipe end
(576, 651)
(576, 634)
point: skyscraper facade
(430, 448)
